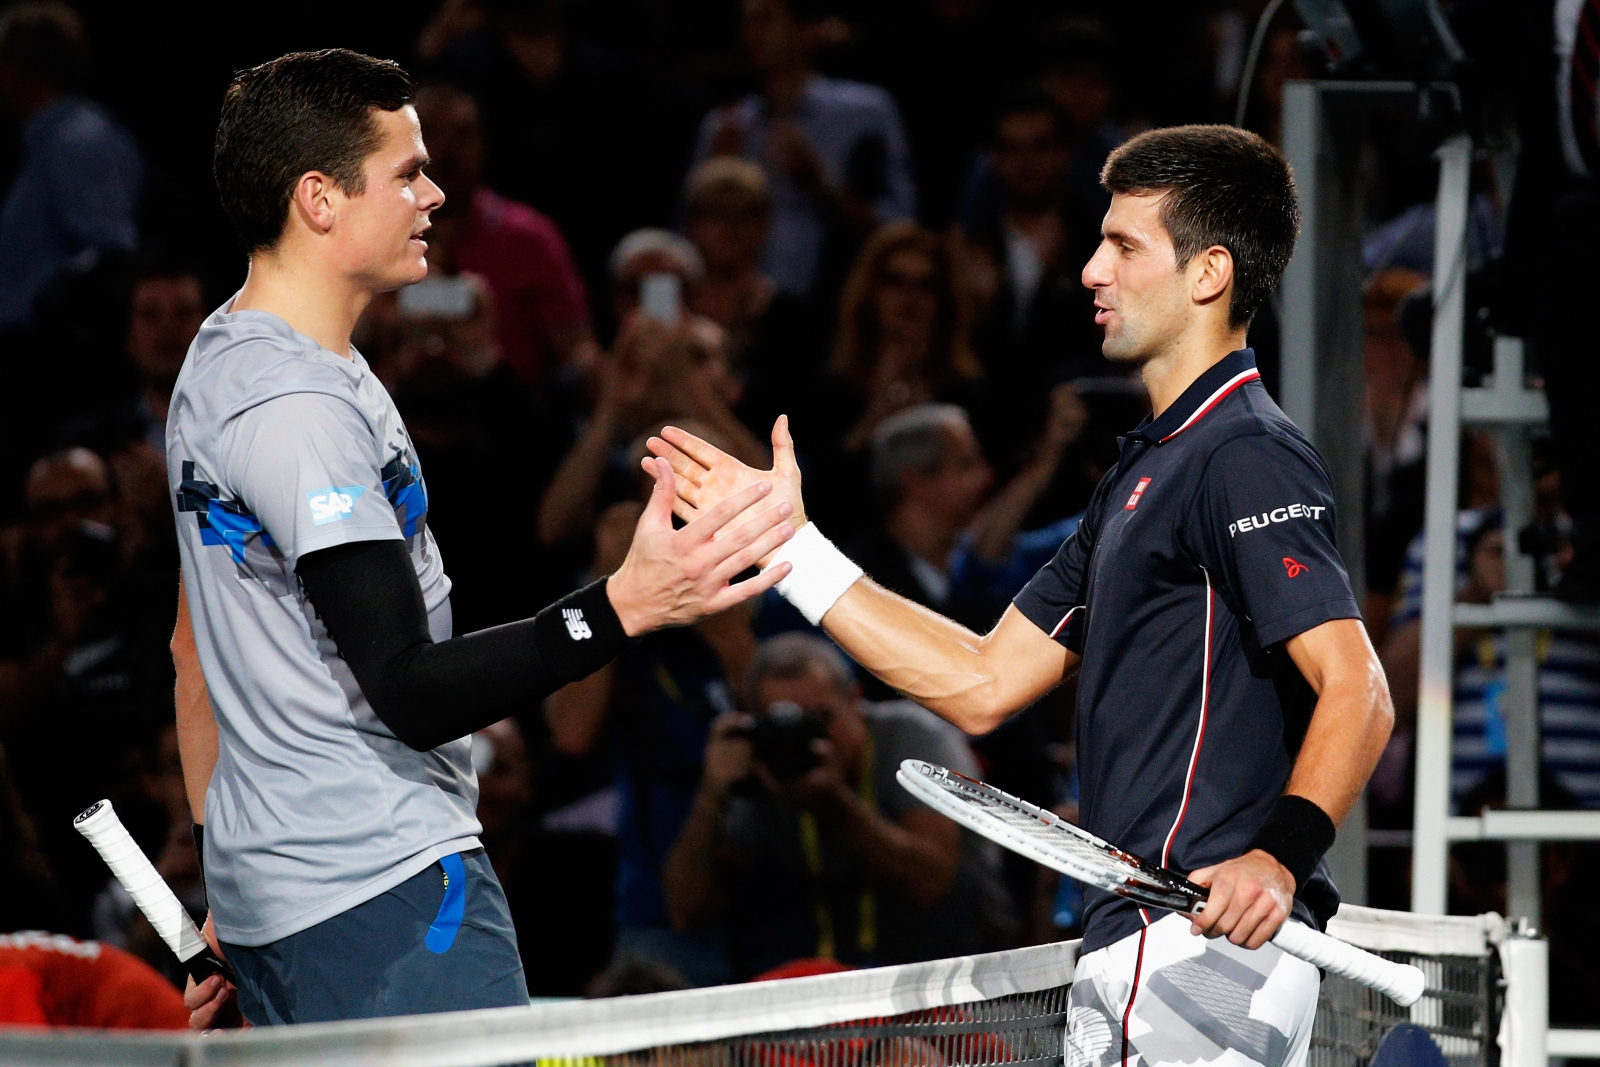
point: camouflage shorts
(1194, 1001)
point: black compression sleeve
(428, 692)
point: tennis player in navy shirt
(1230, 704)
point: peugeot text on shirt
(1284, 514)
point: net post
(1525, 1021)
(1430, 851)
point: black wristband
(579, 634)
(1296, 834)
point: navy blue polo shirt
(1206, 547)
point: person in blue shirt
(835, 150)
(78, 190)
(1230, 704)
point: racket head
(1047, 838)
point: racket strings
(1103, 864)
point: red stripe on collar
(1214, 399)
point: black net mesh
(1460, 1011)
(1024, 1029)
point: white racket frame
(1400, 982)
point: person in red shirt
(54, 980)
(541, 305)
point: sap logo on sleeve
(1267, 518)
(577, 629)
(1138, 491)
(333, 503)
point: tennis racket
(1046, 838)
(154, 897)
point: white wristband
(820, 576)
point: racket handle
(147, 888)
(1400, 982)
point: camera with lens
(782, 739)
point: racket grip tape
(149, 891)
(1400, 982)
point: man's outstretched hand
(707, 476)
(675, 577)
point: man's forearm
(974, 682)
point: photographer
(802, 843)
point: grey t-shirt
(277, 447)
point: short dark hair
(46, 41)
(1224, 186)
(301, 112)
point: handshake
(736, 517)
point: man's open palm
(707, 475)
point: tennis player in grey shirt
(340, 841)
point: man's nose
(432, 197)
(1096, 272)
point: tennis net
(1461, 1009)
(1006, 1009)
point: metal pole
(1323, 369)
(1302, 124)
(1519, 701)
(1430, 847)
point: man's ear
(314, 201)
(1212, 274)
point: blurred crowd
(870, 217)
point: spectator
(651, 251)
(929, 479)
(83, 693)
(1025, 251)
(1568, 680)
(727, 214)
(163, 305)
(1397, 408)
(815, 851)
(658, 370)
(656, 702)
(53, 980)
(480, 434)
(944, 63)
(834, 150)
(776, 340)
(78, 188)
(903, 339)
(1079, 56)
(574, 125)
(540, 304)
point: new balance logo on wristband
(577, 629)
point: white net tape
(1006, 1008)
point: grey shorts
(440, 941)
(1166, 996)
